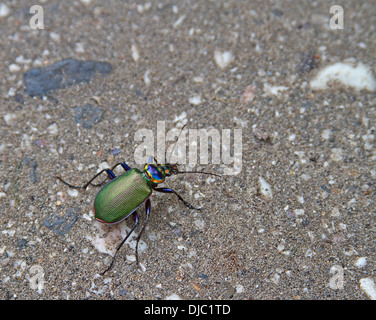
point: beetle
(124, 194)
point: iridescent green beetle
(124, 194)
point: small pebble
(61, 224)
(53, 129)
(223, 59)
(178, 22)
(336, 154)
(14, 67)
(72, 192)
(173, 296)
(265, 189)
(195, 100)
(367, 285)
(55, 36)
(261, 134)
(360, 262)
(274, 90)
(326, 134)
(88, 115)
(146, 78)
(10, 118)
(115, 151)
(4, 10)
(249, 94)
(135, 53)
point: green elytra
(124, 194)
(118, 199)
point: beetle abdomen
(121, 196)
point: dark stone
(277, 12)
(21, 244)
(61, 224)
(88, 115)
(62, 74)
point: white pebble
(80, 47)
(142, 8)
(73, 192)
(173, 297)
(281, 247)
(4, 10)
(335, 212)
(135, 53)
(336, 154)
(146, 78)
(199, 223)
(368, 139)
(14, 67)
(102, 166)
(300, 199)
(179, 21)
(12, 92)
(223, 59)
(348, 73)
(265, 189)
(55, 36)
(10, 118)
(20, 59)
(367, 285)
(305, 177)
(273, 90)
(299, 212)
(239, 288)
(195, 100)
(86, 217)
(181, 117)
(326, 134)
(360, 262)
(198, 79)
(131, 258)
(53, 129)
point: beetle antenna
(213, 174)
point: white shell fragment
(348, 73)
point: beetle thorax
(154, 172)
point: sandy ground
(298, 221)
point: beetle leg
(122, 242)
(168, 190)
(123, 164)
(147, 210)
(109, 172)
